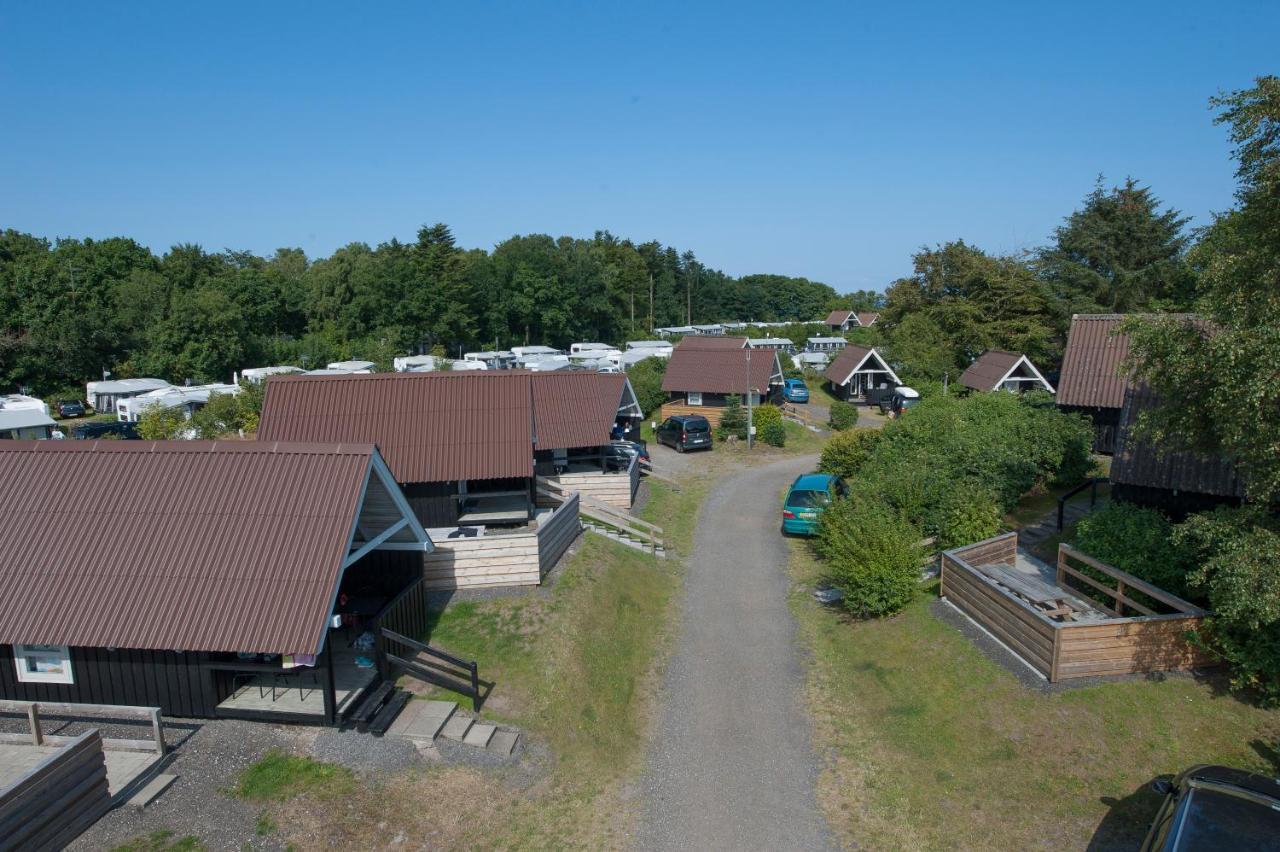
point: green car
(809, 495)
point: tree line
(73, 308)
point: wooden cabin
(861, 374)
(702, 377)
(1007, 371)
(240, 575)
(842, 321)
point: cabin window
(695, 397)
(43, 663)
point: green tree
(920, 350)
(1118, 253)
(646, 380)
(872, 555)
(162, 423)
(1222, 372)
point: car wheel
(679, 447)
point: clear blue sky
(829, 141)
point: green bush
(763, 415)
(967, 516)
(646, 380)
(773, 433)
(872, 555)
(1237, 551)
(1136, 540)
(845, 452)
(843, 416)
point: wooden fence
(613, 488)
(519, 559)
(57, 799)
(35, 710)
(675, 409)
(1061, 650)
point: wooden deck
(123, 767)
(1068, 628)
(302, 693)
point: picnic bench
(1048, 599)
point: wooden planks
(557, 532)
(1128, 646)
(999, 550)
(614, 489)
(50, 805)
(1029, 635)
(674, 409)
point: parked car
(684, 432)
(807, 499)
(105, 429)
(71, 408)
(1216, 807)
(618, 454)
(899, 401)
(795, 390)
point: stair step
(373, 703)
(389, 712)
(154, 788)
(479, 735)
(456, 728)
(503, 742)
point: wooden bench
(1049, 600)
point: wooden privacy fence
(518, 559)
(676, 409)
(36, 710)
(1061, 650)
(804, 418)
(57, 799)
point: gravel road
(733, 764)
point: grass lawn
(930, 745)
(574, 667)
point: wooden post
(1062, 559)
(157, 729)
(330, 698)
(1119, 595)
(33, 719)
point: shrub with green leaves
(872, 555)
(967, 516)
(843, 416)
(847, 451)
(773, 433)
(1137, 540)
(646, 380)
(1236, 552)
(762, 415)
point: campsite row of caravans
(261, 579)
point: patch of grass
(162, 841)
(933, 746)
(265, 825)
(279, 776)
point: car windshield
(1218, 819)
(809, 499)
(697, 426)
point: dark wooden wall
(176, 683)
(433, 503)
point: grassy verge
(162, 841)
(932, 746)
(574, 668)
(279, 776)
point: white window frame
(694, 397)
(60, 655)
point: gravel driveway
(733, 765)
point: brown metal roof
(720, 371)
(990, 367)
(1092, 363)
(838, 317)
(1138, 463)
(175, 545)
(575, 409)
(868, 318)
(711, 341)
(430, 427)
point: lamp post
(750, 427)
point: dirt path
(733, 765)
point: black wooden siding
(176, 683)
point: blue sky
(824, 140)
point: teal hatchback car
(806, 500)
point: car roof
(683, 417)
(795, 381)
(813, 481)
(908, 393)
